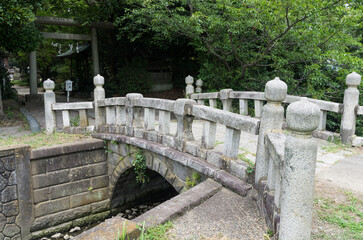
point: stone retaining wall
(68, 182)
(15, 204)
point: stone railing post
(227, 102)
(189, 90)
(199, 84)
(183, 111)
(351, 101)
(272, 118)
(298, 178)
(99, 94)
(49, 100)
(133, 115)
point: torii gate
(66, 36)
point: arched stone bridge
(53, 189)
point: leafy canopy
(310, 44)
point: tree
(18, 33)
(310, 44)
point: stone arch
(153, 163)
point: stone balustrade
(350, 104)
(50, 107)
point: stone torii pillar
(95, 60)
(33, 72)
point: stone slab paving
(225, 215)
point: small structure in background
(189, 90)
(68, 88)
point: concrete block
(50, 207)
(238, 170)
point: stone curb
(179, 204)
(66, 148)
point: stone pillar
(199, 84)
(49, 100)
(1, 106)
(351, 101)
(99, 94)
(227, 102)
(302, 119)
(183, 111)
(133, 115)
(95, 59)
(272, 118)
(33, 72)
(189, 90)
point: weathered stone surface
(11, 230)
(3, 182)
(60, 217)
(38, 166)
(41, 195)
(11, 219)
(99, 182)
(88, 171)
(179, 204)
(12, 178)
(69, 189)
(88, 197)
(9, 194)
(9, 163)
(109, 228)
(17, 237)
(2, 168)
(101, 206)
(2, 222)
(11, 208)
(49, 179)
(50, 207)
(303, 116)
(235, 184)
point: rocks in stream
(134, 212)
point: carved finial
(275, 90)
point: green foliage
(310, 44)
(139, 164)
(18, 33)
(75, 121)
(158, 232)
(347, 216)
(131, 78)
(194, 181)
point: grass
(40, 139)
(158, 232)
(347, 216)
(20, 82)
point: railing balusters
(110, 115)
(322, 125)
(209, 134)
(65, 116)
(164, 122)
(231, 144)
(149, 119)
(243, 107)
(83, 118)
(213, 103)
(258, 108)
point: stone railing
(149, 118)
(285, 162)
(349, 108)
(51, 107)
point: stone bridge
(52, 189)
